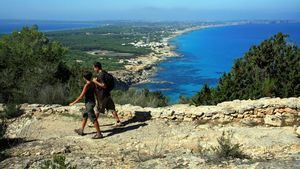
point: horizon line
(148, 20)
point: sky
(155, 10)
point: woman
(88, 92)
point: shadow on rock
(123, 129)
(11, 142)
(139, 116)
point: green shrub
(28, 62)
(57, 162)
(184, 100)
(143, 98)
(203, 97)
(11, 111)
(33, 69)
(226, 149)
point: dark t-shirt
(89, 95)
(101, 93)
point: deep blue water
(8, 26)
(208, 53)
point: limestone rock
(249, 122)
(273, 120)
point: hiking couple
(100, 86)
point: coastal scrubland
(37, 68)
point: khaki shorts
(105, 104)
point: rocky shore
(139, 69)
(169, 137)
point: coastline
(140, 69)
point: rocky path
(145, 143)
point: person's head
(97, 66)
(87, 76)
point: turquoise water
(208, 53)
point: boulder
(249, 122)
(273, 120)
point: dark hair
(98, 65)
(88, 75)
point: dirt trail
(146, 144)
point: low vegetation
(57, 162)
(11, 111)
(271, 69)
(143, 98)
(83, 60)
(225, 150)
(106, 38)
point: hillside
(178, 136)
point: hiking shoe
(97, 136)
(79, 132)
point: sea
(206, 54)
(8, 26)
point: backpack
(109, 81)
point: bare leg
(83, 123)
(96, 125)
(80, 131)
(116, 116)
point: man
(104, 100)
